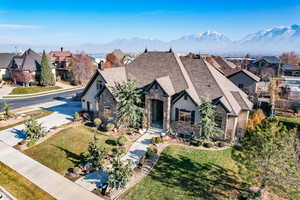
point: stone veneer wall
(158, 94)
(106, 99)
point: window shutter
(176, 114)
(193, 117)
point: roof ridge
(209, 69)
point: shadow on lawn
(73, 157)
(207, 181)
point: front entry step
(155, 130)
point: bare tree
(290, 58)
(82, 68)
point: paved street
(25, 102)
(63, 111)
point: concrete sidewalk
(51, 182)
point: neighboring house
(173, 88)
(245, 80)
(25, 69)
(61, 61)
(290, 70)
(220, 63)
(5, 59)
(290, 87)
(267, 66)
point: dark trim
(180, 95)
(217, 101)
(87, 87)
(153, 83)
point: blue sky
(75, 22)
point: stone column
(167, 113)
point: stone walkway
(53, 183)
(136, 151)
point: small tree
(268, 152)
(122, 140)
(46, 76)
(96, 154)
(6, 111)
(76, 117)
(34, 130)
(110, 126)
(257, 118)
(97, 122)
(119, 174)
(207, 123)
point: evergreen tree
(34, 130)
(96, 154)
(269, 155)
(207, 123)
(119, 174)
(129, 114)
(46, 76)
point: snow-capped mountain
(206, 36)
(278, 34)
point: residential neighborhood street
(25, 102)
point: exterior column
(167, 111)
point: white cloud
(18, 26)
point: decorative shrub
(77, 171)
(76, 117)
(151, 151)
(208, 145)
(196, 143)
(97, 122)
(157, 140)
(122, 140)
(221, 144)
(110, 126)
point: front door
(157, 113)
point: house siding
(89, 96)
(249, 85)
(106, 99)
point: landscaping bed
(187, 173)
(33, 89)
(20, 187)
(64, 149)
(21, 119)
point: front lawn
(33, 89)
(186, 173)
(20, 187)
(62, 151)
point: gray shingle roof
(289, 67)
(270, 59)
(177, 74)
(5, 59)
(248, 73)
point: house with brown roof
(61, 60)
(173, 87)
(245, 80)
(25, 69)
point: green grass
(36, 114)
(295, 120)
(20, 187)
(33, 89)
(62, 151)
(186, 173)
(34, 95)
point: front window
(185, 116)
(107, 112)
(218, 121)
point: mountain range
(270, 41)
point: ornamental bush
(151, 151)
(208, 145)
(157, 140)
(122, 140)
(110, 126)
(97, 122)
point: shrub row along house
(173, 87)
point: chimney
(61, 49)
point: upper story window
(185, 97)
(219, 120)
(241, 86)
(99, 85)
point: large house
(25, 69)
(173, 88)
(61, 61)
(266, 66)
(5, 59)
